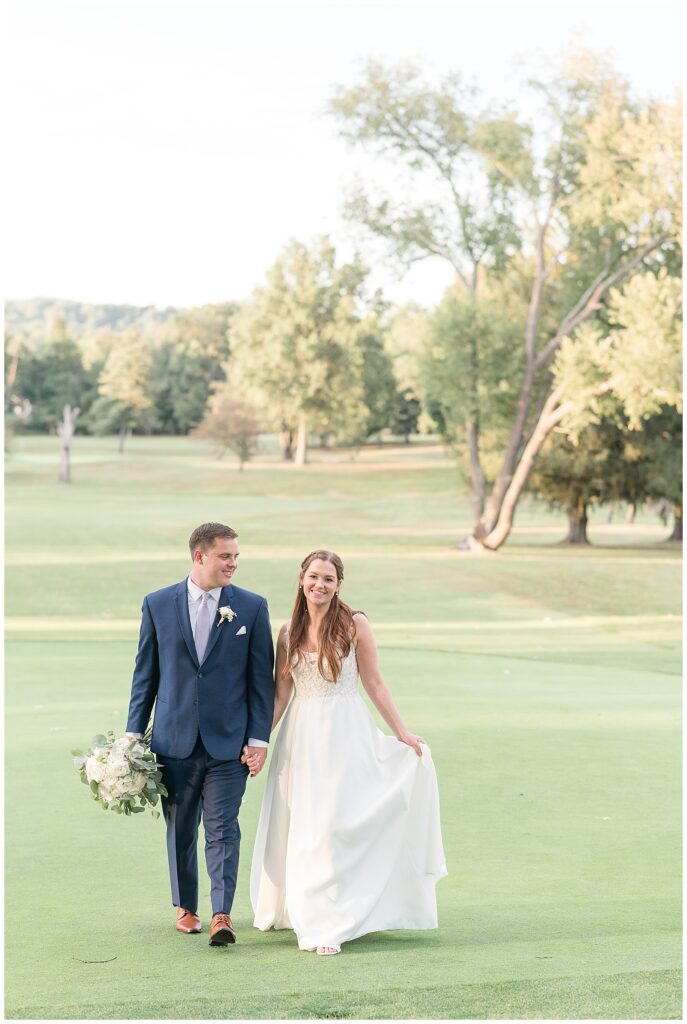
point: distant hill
(32, 320)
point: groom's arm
(261, 677)
(146, 676)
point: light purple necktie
(203, 623)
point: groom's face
(216, 566)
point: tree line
(553, 362)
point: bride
(349, 839)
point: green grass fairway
(546, 680)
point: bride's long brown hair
(336, 633)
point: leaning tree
(586, 193)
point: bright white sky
(165, 152)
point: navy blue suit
(204, 714)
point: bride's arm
(376, 688)
(283, 687)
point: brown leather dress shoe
(221, 930)
(188, 922)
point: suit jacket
(227, 698)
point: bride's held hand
(255, 758)
(412, 741)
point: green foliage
(125, 378)
(51, 380)
(630, 181)
(472, 364)
(187, 363)
(603, 464)
(406, 413)
(308, 348)
(643, 358)
(661, 441)
(378, 383)
(634, 353)
(124, 386)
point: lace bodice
(309, 682)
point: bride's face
(319, 583)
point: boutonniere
(226, 614)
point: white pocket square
(241, 631)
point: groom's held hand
(255, 758)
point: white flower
(118, 786)
(95, 769)
(118, 765)
(226, 614)
(138, 783)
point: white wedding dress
(349, 838)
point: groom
(205, 658)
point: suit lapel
(181, 604)
(216, 629)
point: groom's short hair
(204, 536)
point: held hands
(255, 758)
(412, 741)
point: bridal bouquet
(123, 774)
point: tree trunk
(65, 430)
(611, 511)
(577, 520)
(552, 413)
(506, 474)
(301, 444)
(286, 442)
(122, 437)
(630, 512)
(677, 526)
(476, 471)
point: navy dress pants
(201, 787)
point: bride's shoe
(328, 950)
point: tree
(47, 380)
(124, 386)
(605, 463)
(378, 383)
(406, 341)
(301, 344)
(634, 356)
(12, 401)
(660, 441)
(406, 413)
(232, 424)
(586, 197)
(187, 362)
(470, 367)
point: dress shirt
(194, 595)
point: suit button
(200, 675)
